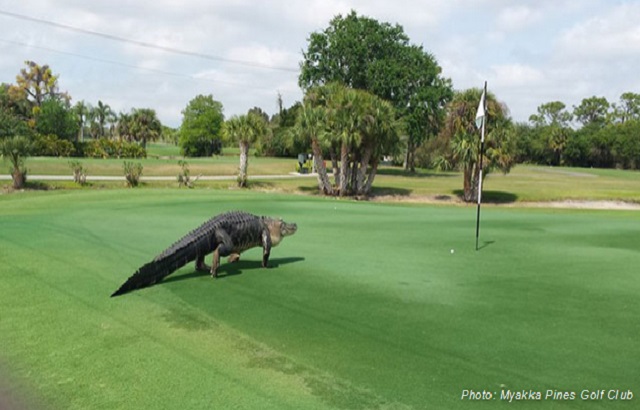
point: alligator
(228, 234)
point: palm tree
(312, 125)
(82, 111)
(461, 139)
(145, 126)
(16, 150)
(245, 130)
(381, 136)
(101, 115)
(358, 125)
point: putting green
(366, 306)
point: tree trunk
(471, 176)
(244, 163)
(371, 177)
(344, 168)
(334, 165)
(19, 178)
(362, 171)
(323, 179)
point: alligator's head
(279, 229)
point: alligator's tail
(172, 259)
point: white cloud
(517, 18)
(612, 35)
(516, 75)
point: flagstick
(484, 120)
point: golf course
(370, 305)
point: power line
(153, 70)
(146, 45)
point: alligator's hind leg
(224, 248)
(200, 265)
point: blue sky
(530, 52)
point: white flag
(480, 113)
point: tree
(144, 126)
(16, 149)
(552, 122)
(36, 83)
(201, 129)
(245, 130)
(364, 54)
(11, 124)
(81, 110)
(461, 139)
(629, 107)
(56, 118)
(358, 129)
(311, 125)
(281, 141)
(592, 110)
(100, 116)
(552, 113)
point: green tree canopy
(55, 117)
(201, 129)
(629, 107)
(552, 113)
(364, 54)
(245, 130)
(592, 111)
(145, 126)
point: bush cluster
(52, 146)
(106, 148)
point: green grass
(366, 307)
(217, 165)
(525, 183)
(161, 149)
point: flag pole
(483, 104)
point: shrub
(106, 148)
(184, 177)
(132, 173)
(16, 150)
(79, 172)
(52, 146)
(200, 146)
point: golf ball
(452, 251)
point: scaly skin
(228, 234)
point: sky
(246, 52)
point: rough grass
(525, 183)
(365, 308)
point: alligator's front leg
(266, 248)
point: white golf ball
(452, 251)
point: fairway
(366, 307)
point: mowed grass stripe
(366, 307)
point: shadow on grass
(485, 244)
(36, 186)
(231, 269)
(260, 184)
(394, 191)
(418, 174)
(493, 197)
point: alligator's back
(244, 229)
